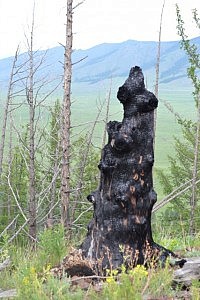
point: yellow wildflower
(25, 281)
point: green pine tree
(183, 211)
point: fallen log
(5, 264)
(189, 272)
(8, 294)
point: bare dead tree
(158, 67)
(9, 108)
(31, 147)
(66, 121)
(158, 53)
(33, 82)
(10, 153)
(6, 111)
(26, 84)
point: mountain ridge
(114, 60)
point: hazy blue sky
(95, 22)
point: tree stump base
(74, 264)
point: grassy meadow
(87, 100)
(85, 109)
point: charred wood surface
(120, 231)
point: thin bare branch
(77, 62)
(174, 194)
(78, 4)
(158, 70)
(9, 225)
(90, 208)
(15, 197)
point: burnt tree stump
(120, 231)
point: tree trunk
(120, 231)
(158, 70)
(30, 100)
(65, 172)
(10, 155)
(8, 100)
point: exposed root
(74, 265)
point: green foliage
(52, 244)
(57, 289)
(35, 285)
(185, 164)
(191, 51)
(4, 253)
(85, 164)
(15, 184)
(14, 188)
(55, 117)
(177, 213)
(195, 290)
(30, 273)
(84, 177)
(137, 283)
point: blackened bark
(120, 231)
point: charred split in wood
(120, 231)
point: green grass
(85, 108)
(86, 100)
(85, 105)
(30, 272)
